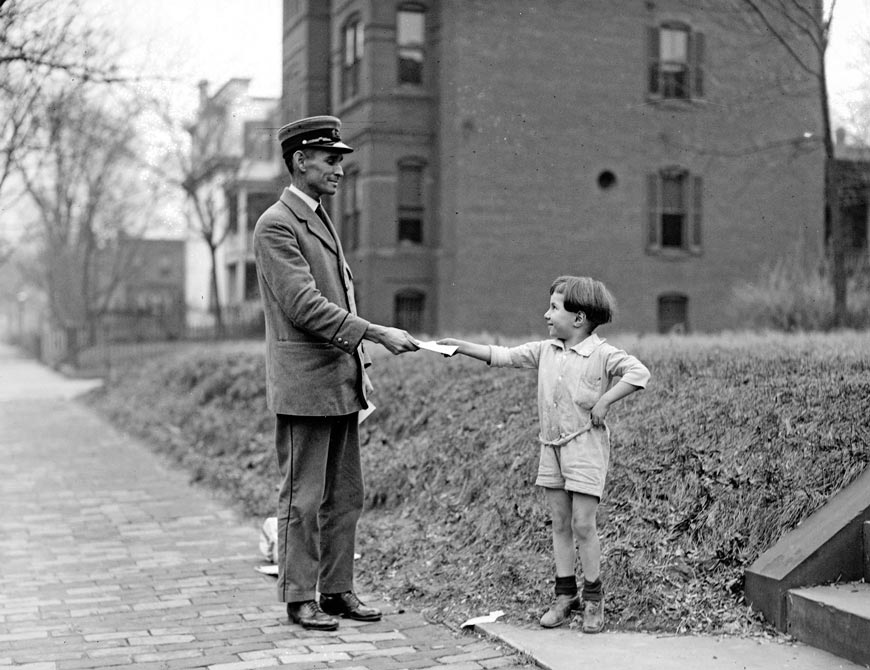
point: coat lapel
(325, 232)
(312, 221)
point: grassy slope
(737, 439)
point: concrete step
(867, 551)
(835, 618)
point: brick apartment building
(667, 149)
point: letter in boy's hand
(437, 347)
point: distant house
(234, 135)
(500, 143)
(148, 300)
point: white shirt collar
(584, 347)
(307, 199)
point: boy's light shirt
(570, 379)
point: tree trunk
(215, 301)
(837, 244)
(837, 241)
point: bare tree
(200, 166)
(83, 178)
(38, 42)
(802, 28)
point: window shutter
(652, 199)
(697, 213)
(697, 64)
(652, 41)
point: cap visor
(340, 147)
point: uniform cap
(313, 132)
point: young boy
(576, 370)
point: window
(408, 310)
(252, 289)
(410, 201)
(257, 204)
(676, 56)
(673, 313)
(351, 58)
(674, 200)
(232, 281)
(410, 43)
(350, 213)
(258, 141)
(232, 204)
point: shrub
(794, 295)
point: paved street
(111, 559)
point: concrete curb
(564, 649)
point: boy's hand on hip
(599, 413)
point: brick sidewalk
(109, 558)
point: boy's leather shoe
(308, 614)
(593, 616)
(349, 606)
(559, 610)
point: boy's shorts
(579, 466)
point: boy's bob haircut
(587, 295)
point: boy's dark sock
(566, 586)
(592, 591)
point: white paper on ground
(438, 348)
(488, 618)
(365, 413)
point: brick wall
(537, 101)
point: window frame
(350, 218)
(353, 36)
(414, 210)
(258, 144)
(251, 287)
(413, 48)
(231, 203)
(677, 298)
(254, 201)
(694, 63)
(691, 210)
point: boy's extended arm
(618, 392)
(479, 351)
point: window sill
(676, 104)
(411, 91)
(673, 254)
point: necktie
(324, 217)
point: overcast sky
(190, 40)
